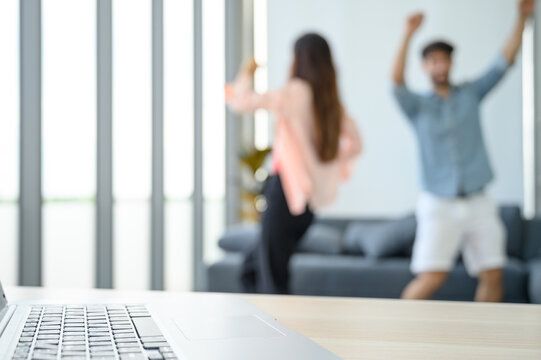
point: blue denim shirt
(453, 153)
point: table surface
(354, 328)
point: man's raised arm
(526, 8)
(413, 23)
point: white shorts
(447, 227)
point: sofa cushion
(348, 275)
(239, 238)
(534, 285)
(319, 238)
(532, 245)
(383, 239)
(512, 219)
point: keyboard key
(95, 334)
(126, 340)
(121, 327)
(132, 357)
(100, 338)
(74, 353)
(118, 317)
(73, 343)
(19, 353)
(47, 342)
(154, 355)
(118, 325)
(43, 357)
(169, 355)
(153, 338)
(74, 338)
(146, 326)
(130, 350)
(46, 346)
(127, 344)
(74, 348)
(101, 355)
(74, 328)
(155, 345)
(139, 315)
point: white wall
(364, 35)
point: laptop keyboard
(92, 332)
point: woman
(315, 146)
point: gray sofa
(370, 258)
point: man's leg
(438, 239)
(424, 285)
(490, 287)
(484, 250)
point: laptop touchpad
(246, 326)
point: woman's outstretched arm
(241, 97)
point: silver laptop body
(188, 326)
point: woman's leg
(248, 275)
(280, 236)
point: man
(453, 212)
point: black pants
(266, 266)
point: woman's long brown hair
(313, 64)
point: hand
(229, 92)
(526, 8)
(414, 22)
(250, 66)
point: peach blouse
(305, 179)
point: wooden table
(377, 329)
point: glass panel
(132, 136)
(214, 215)
(179, 245)
(8, 243)
(178, 98)
(178, 143)
(131, 245)
(213, 125)
(132, 97)
(261, 118)
(213, 99)
(68, 244)
(69, 141)
(69, 98)
(9, 138)
(9, 99)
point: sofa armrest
(534, 283)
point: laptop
(188, 326)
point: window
(178, 143)
(69, 141)
(132, 136)
(9, 135)
(213, 124)
(261, 118)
